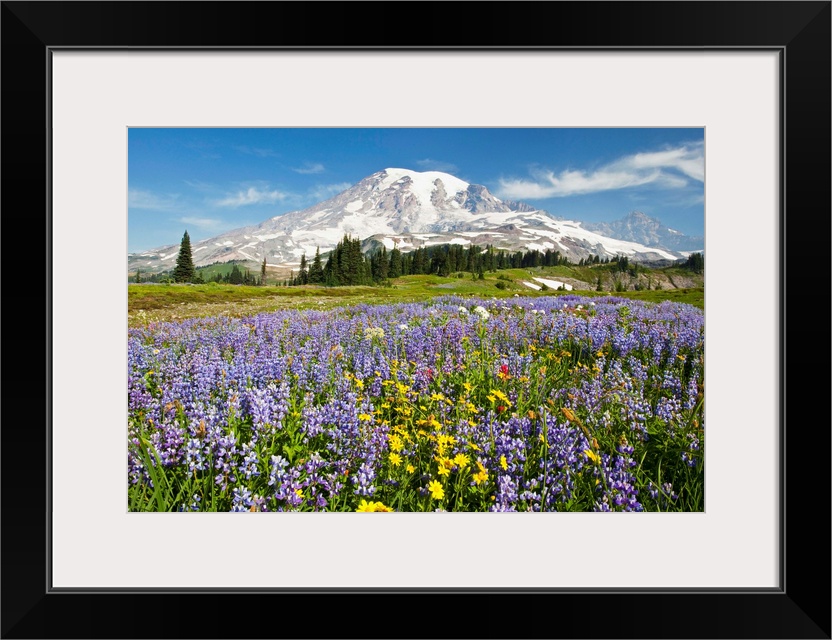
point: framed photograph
(94, 92)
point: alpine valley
(410, 209)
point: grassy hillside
(164, 302)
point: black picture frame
(800, 608)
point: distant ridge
(408, 209)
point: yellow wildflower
(461, 460)
(436, 490)
(366, 417)
(589, 453)
(504, 463)
(482, 475)
(370, 507)
(447, 439)
(396, 443)
(410, 468)
(395, 459)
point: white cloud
(140, 199)
(257, 151)
(326, 191)
(207, 224)
(252, 195)
(199, 185)
(687, 160)
(310, 167)
(669, 168)
(429, 164)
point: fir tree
(236, 276)
(395, 269)
(303, 276)
(316, 271)
(184, 271)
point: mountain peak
(639, 227)
(406, 209)
(424, 181)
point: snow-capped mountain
(641, 228)
(405, 209)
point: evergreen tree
(303, 275)
(395, 269)
(263, 272)
(184, 271)
(236, 276)
(316, 271)
(696, 262)
(383, 265)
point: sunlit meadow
(560, 403)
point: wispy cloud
(689, 160)
(140, 199)
(252, 195)
(260, 152)
(205, 224)
(310, 168)
(668, 168)
(429, 164)
(200, 185)
(325, 191)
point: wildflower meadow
(552, 403)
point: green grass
(168, 302)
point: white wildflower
(371, 333)
(482, 313)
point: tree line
(348, 265)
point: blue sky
(212, 180)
